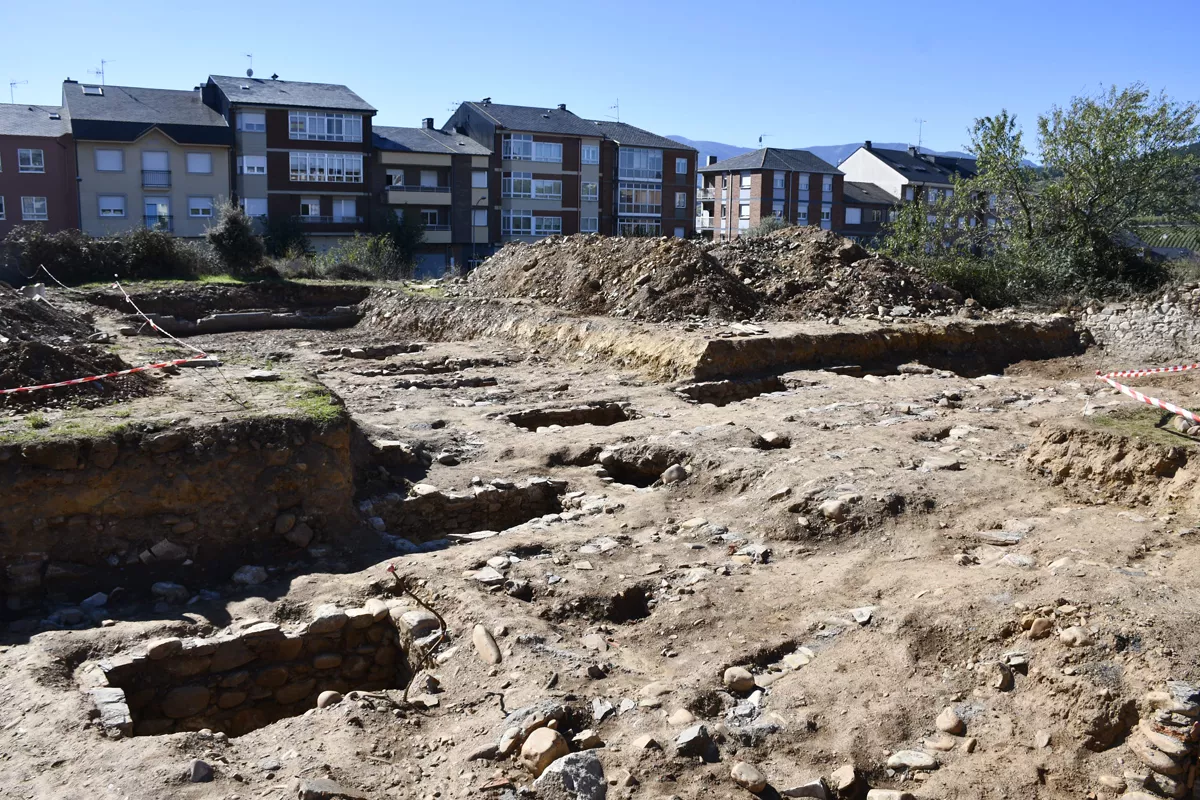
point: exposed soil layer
(193, 301)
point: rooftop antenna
(615, 107)
(103, 63)
(762, 136)
(920, 130)
(11, 86)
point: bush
(234, 242)
(363, 258)
(285, 234)
(768, 225)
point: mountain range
(833, 153)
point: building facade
(868, 210)
(910, 175)
(653, 185)
(300, 150)
(445, 179)
(794, 185)
(157, 158)
(37, 169)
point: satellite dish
(250, 73)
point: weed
(317, 404)
(37, 421)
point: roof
(628, 136)
(859, 192)
(126, 113)
(267, 92)
(777, 159)
(425, 140)
(25, 120)
(925, 167)
(556, 121)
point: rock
(911, 760)
(934, 463)
(949, 722)
(166, 550)
(816, 788)
(328, 618)
(1153, 758)
(250, 575)
(774, 439)
(1041, 628)
(739, 679)
(575, 776)
(969, 744)
(299, 536)
(284, 523)
(748, 777)
(328, 698)
(1173, 747)
(199, 772)
(112, 709)
(602, 709)
(862, 615)
(1041, 739)
(171, 592)
(185, 701)
(489, 576)
(163, 648)
(1075, 636)
(541, 749)
(596, 641)
(419, 623)
(98, 600)
(262, 375)
(888, 794)
(674, 474)
(844, 779)
(486, 647)
(834, 510)
(586, 739)
(322, 789)
(679, 717)
(645, 742)
(693, 741)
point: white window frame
(639, 198)
(94, 91)
(429, 179)
(639, 226)
(779, 181)
(802, 214)
(680, 200)
(31, 160)
(324, 126)
(827, 184)
(681, 166)
(3, 214)
(826, 214)
(325, 167)
(744, 181)
(194, 207)
(257, 126)
(120, 158)
(188, 163)
(593, 194)
(804, 184)
(339, 209)
(547, 226)
(743, 211)
(517, 147)
(522, 216)
(246, 201)
(548, 152)
(908, 193)
(311, 202)
(547, 189)
(853, 212)
(590, 154)
(516, 184)
(100, 203)
(777, 209)
(252, 165)
(589, 225)
(640, 163)
(479, 179)
(32, 203)
(475, 216)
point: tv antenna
(615, 107)
(250, 69)
(103, 63)
(920, 130)
(762, 136)
(12, 85)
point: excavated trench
(602, 414)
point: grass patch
(37, 421)
(1143, 423)
(89, 427)
(315, 403)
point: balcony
(160, 222)
(706, 194)
(331, 220)
(705, 224)
(156, 179)
(437, 227)
(398, 194)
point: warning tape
(1142, 398)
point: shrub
(234, 242)
(363, 258)
(768, 225)
(285, 234)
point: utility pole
(11, 86)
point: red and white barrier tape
(1142, 398)
(90, 378)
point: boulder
(541, 749)
(576, 776)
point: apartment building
(153, 157)
(738, 193)
(910, 175)
(37, 168)
(868, 209)
(444, 178)
(553, 172)
(301, 150)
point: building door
(158, 213)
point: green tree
(768, 225)
(234, 241)
(406, 232)
(284, 237)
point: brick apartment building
(738, 193)
(302, 150)
(37, 168)
(444, 178)
(553, 172)
(153, 157)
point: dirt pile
(41, 343)
(797, 273)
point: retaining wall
(1148, 333)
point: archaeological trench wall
(1148, 333)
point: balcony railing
(706, 194)
(437, 227)
(705, 224)
(156, 179)
(328, 220)
(162, 222)
(403, 187)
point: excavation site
(607, 518)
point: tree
(234, 241)
(406, 232)
(284, 236)
(768, 225)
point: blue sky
(806, 73)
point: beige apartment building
(157, 158)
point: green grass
(89, 427)
(313, 402)
(1139, 422)
(37, 421)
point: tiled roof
(25, 120)
(425, 140)
(125, 113)
(267, 92)
(925, 167)
(628, 136)
(556, 121)
(775, 159)
(859, 192)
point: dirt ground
(858, 573)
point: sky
(800, 72)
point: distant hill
(833, 153)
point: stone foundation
(720, 393)
(587, 414)
(429, 513)
(1148, 333)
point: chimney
(562, 106)
(867, 144)
(912, 151)
(710, 160)
(427, 123)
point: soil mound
(796, 273)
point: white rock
(739, 679)
(250, 575)
(911, 760)
(485, 646)
(749, 777)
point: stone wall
(239, 682)
(429, 513)
(1148, 333)
(131, 506)
(721, 393)
(599, 413)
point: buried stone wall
(1148, 333)
(241, 682)
(429, 513)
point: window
(802, 215)
(991, 223)
(639, 162)
(589, 225)
(93, 90)
(777, 209)
(345, 209)
(252, 121)
(431, 217)
(827, 184)
(394, 177)
(547, 226)
(743, 211)
(681, 166)
(34, 208)
(826, 213)
(330, 167)
(948, 193)
(908, 193)
(429, 178)
(745, 184)
(1, 207)
(853, 216)
(310, 206)
(200, 163)
(479, 179)
(991, 202)
(876, 215)
(112, 205)
(547, 189)
(591, 191)
(479, 217)
(547, 151)
(932, 194)
(780, 179)
(200, 207)
(591, 154)
(639, 198)
(517, 146)
(681, 199)
(724, 180)
(110, 160)
(31, 161)
(516, 184)
(255, 206)
(252, 165)
(680, 233)
(804, 183)
(324, 126)
(516, 223)
(724, 211)
(639, 227)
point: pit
(602, 414)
